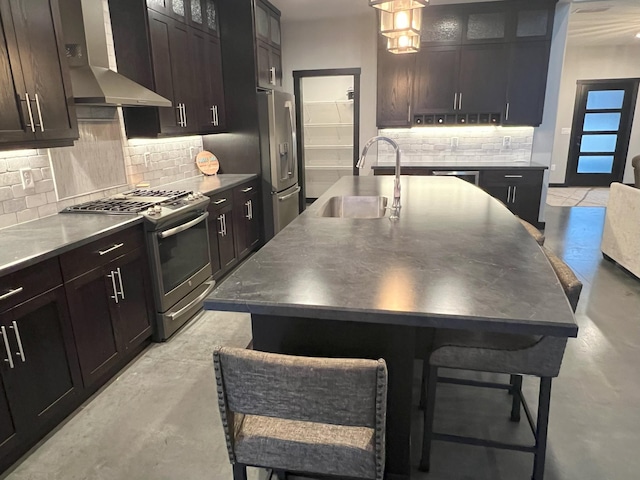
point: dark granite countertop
(457, 258)
(31, 242)
(471, 165)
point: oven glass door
(184, 253)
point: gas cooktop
(153, 204)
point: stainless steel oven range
(178, 246)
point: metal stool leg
(516, 391)
(541, 428)
(432, 381)
(239, 471)
(423, 385)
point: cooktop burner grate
(109, 206)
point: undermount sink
(355, 207)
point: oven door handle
(186, 226)
(200, 298)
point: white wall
(593, 63)
(349, 42)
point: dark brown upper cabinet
(395, 84)
(173, 48)
(268, 45)
(478, 63)
(37, 108)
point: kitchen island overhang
(456, 258)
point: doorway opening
(602, 122)
(328, 125)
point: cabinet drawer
(221, 199)
(246, 189)
(100, 252)
(29, 282)
(510, 177)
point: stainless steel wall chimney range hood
(93, 83)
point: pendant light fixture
(401, 23)
(404, 44)
(396, 5)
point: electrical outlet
(506, 142)
(147, 157)
(26, 175)
(553, 167)
(454, 142)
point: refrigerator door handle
(294, 150)
(286, 197)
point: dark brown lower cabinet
(40, 372)
(519, 190)
(247, 220)
(111, 308)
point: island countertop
(456, 258)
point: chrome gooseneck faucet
(395, 206)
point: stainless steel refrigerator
(280, 189)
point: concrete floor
(159, 419)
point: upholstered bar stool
(515, 355)
(317, 416)
(533, 231)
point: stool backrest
(347, 392)
(570, 284)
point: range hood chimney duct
(93, 83)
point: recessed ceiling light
(637, 35)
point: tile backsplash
(458, 145)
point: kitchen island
(456, 258)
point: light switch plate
(566, 131)
(454, 142)
(506, 142)
(26, 175)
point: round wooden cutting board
(207, 163)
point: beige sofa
(621, 236)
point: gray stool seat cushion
(533, 231)
(299, 446)
(498, 352)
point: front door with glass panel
(600, 134)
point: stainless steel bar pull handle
(224, 221)
(112, 276)
(219, 202)
(221, 232)
(184, 114)
(251, 208)
(39, 112)
(20, 351)
(217, 117)
(30, 112)
(509, 195)
(455, 101)
(513, 176)
(213, 115)
(11, 293)
(245, 190)
(272, 75)
(120, 283)
(515, 189)
(179, 109)
(185, 226)
(506, 116)
(9, 358)
(109, 250)
(460, 102)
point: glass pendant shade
(396, 5)
(401, 23)
(404, 44)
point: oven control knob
(157, 209)
(151, 211)
(190, 198)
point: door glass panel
(212, 15)
(605, 99)
(275, 30)
(262, 22)
(601, 122)
(595, 164)
(178, 7)
(599, 143)
(532, 23)
(486, 25)
(196, 11)
(443, 28)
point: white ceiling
(604, 22)
(592, 22)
